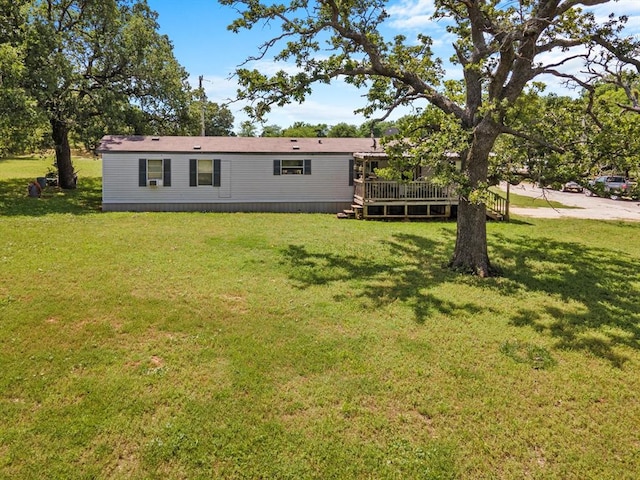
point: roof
(175, 144)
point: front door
(225, 179)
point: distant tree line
(370, 128)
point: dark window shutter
(351, 172)
(193, 172)
(216, 172)
(166, 172)
(307, 166)
(276, 167)
(142, 172)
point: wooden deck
(384, 199)
(389, 199)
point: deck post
(506, 210)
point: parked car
(572, 187)
(613, 186)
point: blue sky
(204, 46)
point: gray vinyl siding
(250, 183)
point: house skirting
(276, 207)
(408, 210)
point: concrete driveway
(587, 207)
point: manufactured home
(228, 173)
(255, 174)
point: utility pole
(204, 103)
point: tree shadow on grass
(415, 264)
(87, 198)
(598, 289)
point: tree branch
(532, 138)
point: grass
(32, 166)
(189, 345)
(16, 173)
(524, 201)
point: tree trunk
(470, 254)
(66, 173)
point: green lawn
(192, 345)
(524, 201)
(33, 166)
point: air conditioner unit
(154, 182)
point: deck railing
(498, 205)
(386, 190)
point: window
(292, 167)
(154, 172)
(204, 172)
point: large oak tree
(501, 46)
(92, 64)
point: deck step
(495, 215)
(347, 214)
(357, 210)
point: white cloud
(412, 23)
(218, 89)
(619, 7)
(412, 8)
(315, 110)
(329, 104)
(413, 15)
